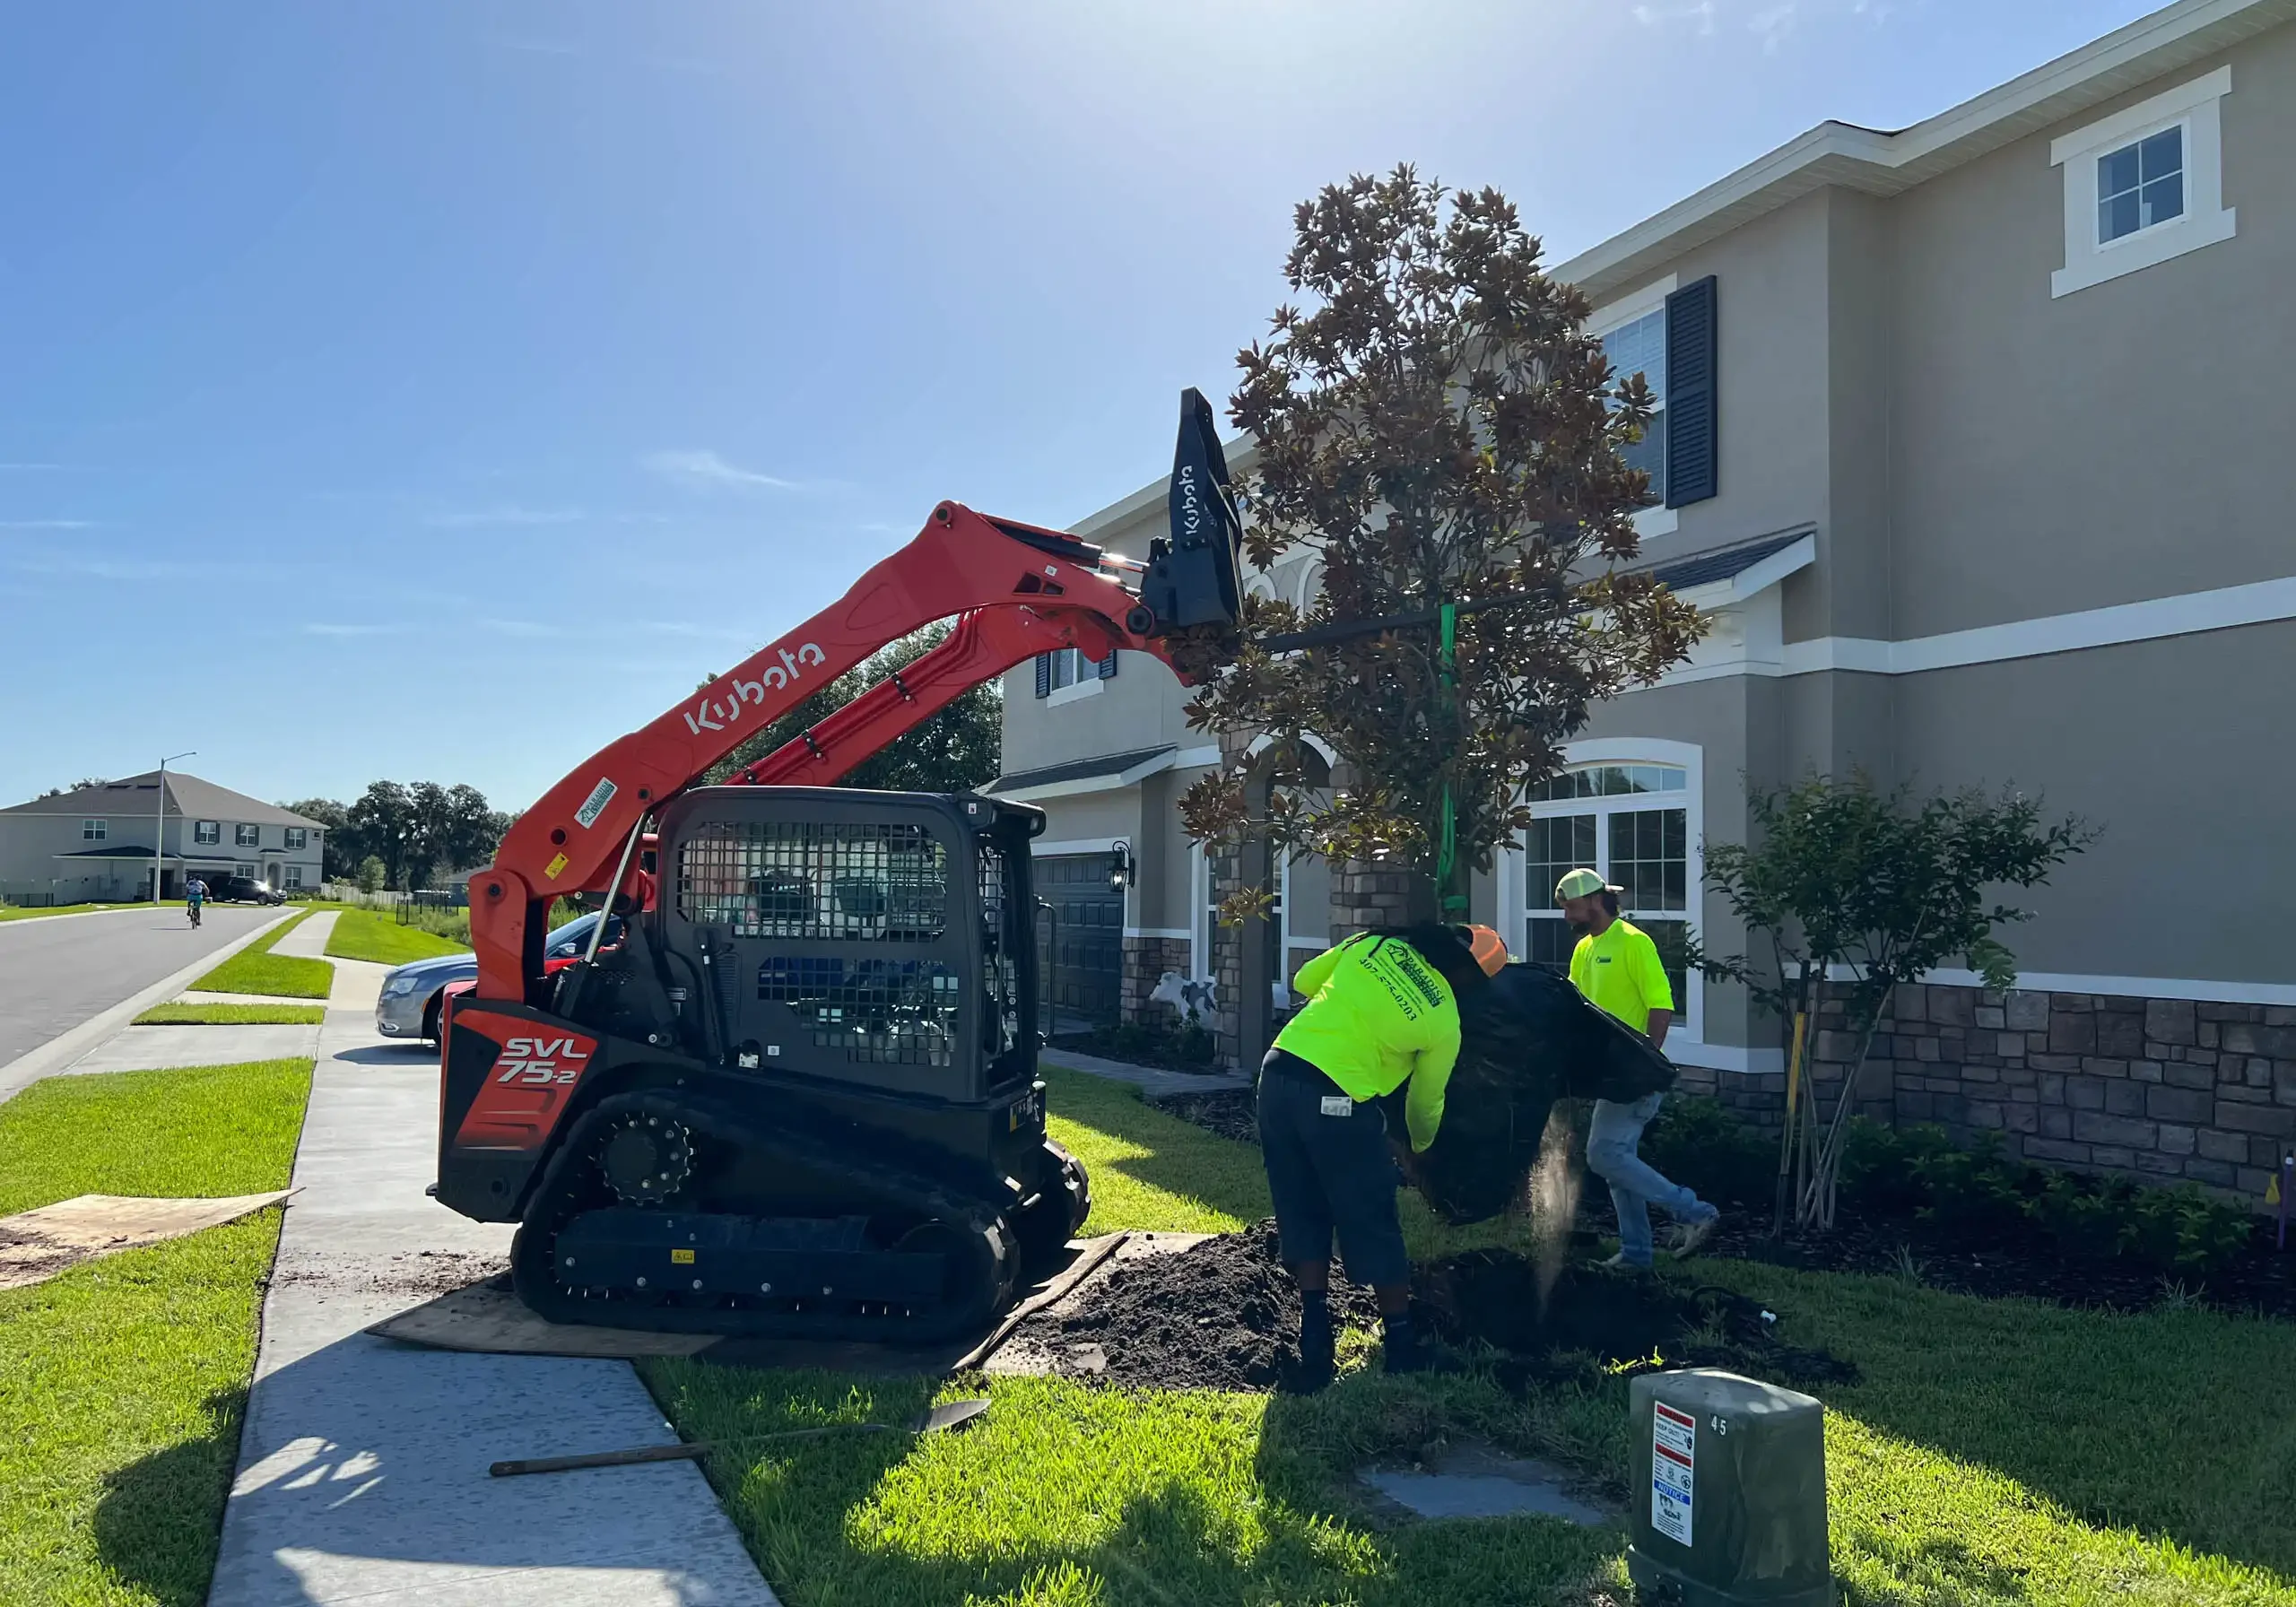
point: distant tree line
(411, 831)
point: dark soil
(1220, 1315)
(427, 1273)
(1230, 1112)
(1224, 1314)
(1593, 1318)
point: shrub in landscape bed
(1975, 1193)
(1700, 1143)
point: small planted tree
(371, 872)
(1856, 889)
(1442, 436)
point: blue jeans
(1612, 1140)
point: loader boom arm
(1017, 590)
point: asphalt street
(57, 972)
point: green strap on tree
(1447, 851)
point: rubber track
(996, 1262)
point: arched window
(1632, 823)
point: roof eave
(1843, 155)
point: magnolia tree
(1442, 436)
(1856, 889)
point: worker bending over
(1383, 1010)
(1617, 966)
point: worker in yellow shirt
(1617, 966)
(1382, 1010)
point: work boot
(1696, 1232)
(1620, 1264)
(1403, 1351)
(1317, 1344)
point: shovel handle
(690, 1449)
(565, 1464)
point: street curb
(60, 1052)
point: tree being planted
(1856, 889)
(1442, 434)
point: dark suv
(243, 890)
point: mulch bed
(2262, 1280)
(1224, 1314)
(1133, 1049)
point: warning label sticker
(595, 804)
(1673, 1461)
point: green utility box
(1732, 1508)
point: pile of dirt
(1220, 1315)
(1593, 1318)
(1224, 1314)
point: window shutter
(1106, 666)
(1692, 460)
(1044, 674)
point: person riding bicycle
(195, 894)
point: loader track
(974, 1234)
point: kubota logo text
(716, 713)
(539, 1060)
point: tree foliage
(412, 831)
(1437, 430)
(82, 784)
(953, 750)
(1844, 880)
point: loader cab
(882, 940)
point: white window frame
(297, 837)
(2196, 108)
(1084, 677)
(1689, 757)
(207, 834)
(247, 871)
(94, 831)
(1200, 921)
(291, 877)
(1610, 318)
(245, 836)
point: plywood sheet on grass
(37, 1244)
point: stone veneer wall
(2165, 1091)
(1145, 962)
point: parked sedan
(409, 1004)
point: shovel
(954, 1414)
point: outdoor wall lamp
(1120, 866)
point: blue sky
(437, 390)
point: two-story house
(1968, 455)
(97, 843)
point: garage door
(1080, 940)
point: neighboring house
(1969, 450)
(96, 843)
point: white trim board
(1180, 934)
(2155, 619)
(2200, 992)
(1724, 1057)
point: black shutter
(1106, 667)
(1044, 674)
(1694, 468)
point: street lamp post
(160, 818)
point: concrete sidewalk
(1153, 1082)
(362, 1464)
(159, 1048)
(308, 940)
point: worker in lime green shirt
(1382, 1011)
(1617, 966)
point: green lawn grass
(364, 935)
(122, 1382)
(255, 969)
(1996, 1452)
(16, 912)
(180, 1014)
